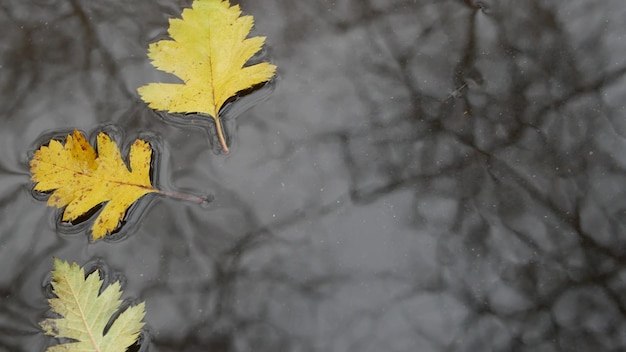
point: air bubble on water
(485, 8)
(207, 200)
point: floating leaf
(85, 312)
(208, 51)
(82, 180)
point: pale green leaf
(85, 312)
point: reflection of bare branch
(499, 175)
(485, 117)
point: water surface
(425, 176)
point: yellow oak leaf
(85, 312)
(208, 51)
(81, 179)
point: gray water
(421, 176)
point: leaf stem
(220, 134)
(187, 197)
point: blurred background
(422, 175)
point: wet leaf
(81, 179)
(85, 312)
(208, 51)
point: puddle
(421, 175)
